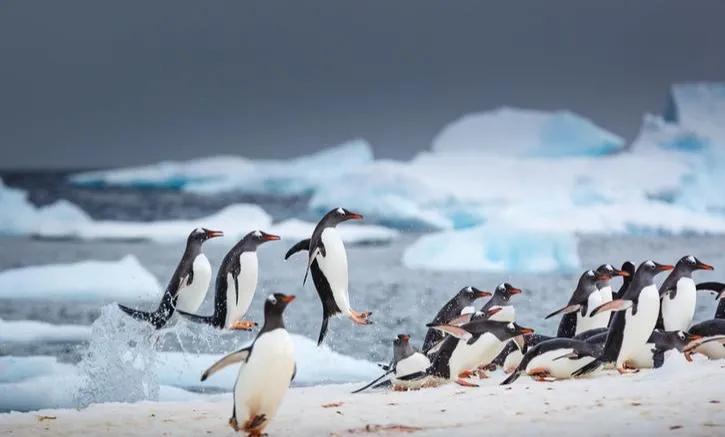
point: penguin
(236, 282)
(471, 345)
(267, 369)
(719, 288)
(501, 297)
(188, 285)
(554, 359)
(629, 267)
(712, 342)
(407, 361)
(605, 295)
(327, 260)
(512, 355)
(452, 309)
(632, 326)
(652, 354)
(577, 313)
(679, 295)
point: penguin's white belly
(512, 361)
(265, 378)
(643, 358)
(638, 328)
(470, 357)
(507, 314)
(713, 350)
(407, 366)
(247, 280)
(334, 267)
(192, 296)
(559, 369)
(601, 320)
(677, 313)
(586, 322)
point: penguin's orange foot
(482, 373)
(541, 375)
(361, 318)
(243, 325)
(233, 423)
(399, 388)
(252, 426)
(465, 383)
(626, 368)
(688, 356)
(465, 374)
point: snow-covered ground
(682, 398)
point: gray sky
(90, 83)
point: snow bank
(28, 331)
(526, 132)
(226, 173)
(294, 229)
(86, 280)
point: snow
(294, 229)
(651, 402)
(526, 132)
(28, 331)
(125, 279)
(231, 173)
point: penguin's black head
(255, 238)
(649, 269)
(200, 235)
(680, 340)
(277, 302)
(590, 278)
(506, 290)
(401, 340)
(339, 215)
(514, 330)
(628, 267)
(688, 264)
(473, 293)
(608, 269)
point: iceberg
(700, 107)
(526, 133)
(232, 173)
(123, 280)
(30, 331)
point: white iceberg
(30, 331)
(226, 173)
(526, 133)
(125, 280)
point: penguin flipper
(300, 246)
(462, 319)
(414, 376)
(235, 357)
(455, 331)
(566, 310)
(614, 305)
(153, 317)
(373, 382)
(323, 329)
(385, 383)
(206, 320)
(512, 377)
(589, 368)
(571, 355)
(658, 358)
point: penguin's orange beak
(703, 266)
(404, 337)
(526, 331)
(269, 237)
(288, 298)
(213, 234)
(664, 267)
(620, 273)
(481, 293)
(354, 216)
(514, 290)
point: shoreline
(681, 397)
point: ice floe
(27, 331)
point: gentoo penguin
(268, 367)
(236, 282)
(188, 285)
(553, 359)
(452, 309)
(629, 267)
(679, 295)
(719, 288)
(470, 346)
(406, 362)
(712, 344)
(634, 322)
(604, 287)
(328, 262)
(577, 313)
(501, 298)
(511, 355)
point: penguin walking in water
(236, 282)
(634, 321)
(555, 359)
(327, 259)
(719, 288)
(577, 313)
(712, 342)
(470, 346)
(604, 287)
(679, 295)
(188, 285)
(501, 298)
(407, 362)
(266, 371)
(452, 309)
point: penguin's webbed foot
(253, 424)
(465, 383)
(362, 318)
(243, 325)
(627, 368)
(233, 423)
(465, 374)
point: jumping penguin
(452, 309)
(679, 295)
(328, 262)
(406, 362)
(188, 285)
(267, 369)
(634, 321)
(577, 313)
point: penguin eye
(340, 211)
(650, 264)
(691, 259)
(469, 289)
(257, 234)
(272, 299)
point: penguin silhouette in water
(327, 260)
(236, 283)
(266, 371)
(188, 285)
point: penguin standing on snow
(679, 295)
(604, 287)
(188, 285)
(634, 321)
(406, 362)
(268, 367)
(452, 309)
(501, 298)
(577, 313)
(236, 282)
(328, 262)
(553, 359)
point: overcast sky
(116, 83)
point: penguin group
(629, 329)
